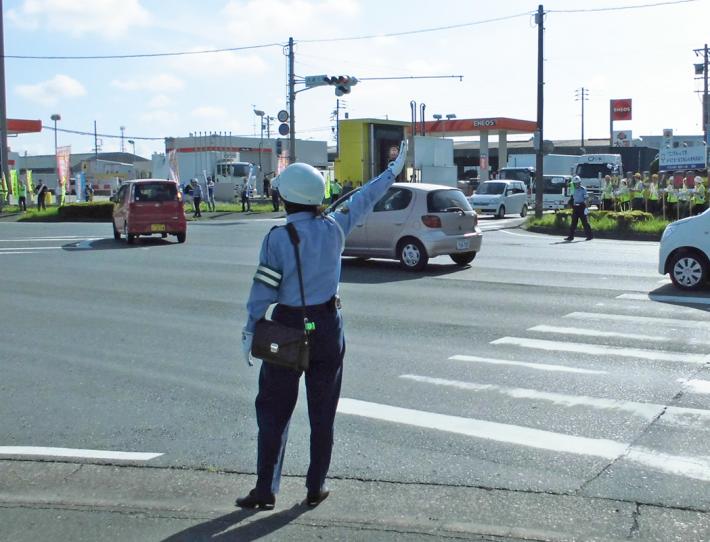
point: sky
(642, 53)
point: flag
(30, 186)
(173, 165)
(13, 182)
(3, 186)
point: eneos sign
(620, 109)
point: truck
(230, 176)
(553, 164)
(592, 168)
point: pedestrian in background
(699, 193)
(335, 190)
(246, 203)
(196, 198)
(89, 192)
(42, 195)
(210, 195)
(579, 210)
(637, 203)
(275, 197)
(22, 196)
(320, 241)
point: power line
(619, 8)
(79, 132)
(145, 55)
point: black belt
(332, 304)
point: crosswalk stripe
(72, 452)
(29, 248)
(666, 298)
(691, 467)
(594, 333)
(679, 416)
(695, 385)
(640, 320)
(603, 350)
(528, 365)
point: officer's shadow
(227, 528)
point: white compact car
(500, 198)
(685, 251)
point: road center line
(666, 298)
(528, 365)
(603, 350)
(76, 453)
(691, 467)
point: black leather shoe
(252, 501)
(569, 238)
(589, 238)
(314, 498)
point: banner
(620, 109)
(63, 166)
(30, 186)
(81, 187)
(173, 165)
(681, 158)
(622, 138)
(3, 188)
(13, 183)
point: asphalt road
(544, 367)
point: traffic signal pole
(3, 106)
(540, 88)
(291, 104)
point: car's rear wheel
(116, 233)
(463, 258)
(412, 254)
(129, 236)
(688, 270)
(181, 236)
(524, 211)
(501, 212)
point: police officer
(579, 210)
(322, 239)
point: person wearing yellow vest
(699, 194)
(637, 193)
(652, 194)
(608, 194)
(684, 199)
(622, 196)
(671, 198)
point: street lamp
(132, 144)
(55, 117)
(450, 116)
(259, 113)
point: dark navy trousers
(278, 392)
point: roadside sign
(282, 115)
(682, 158)
(284, 129)
(316, 80)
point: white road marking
(77, 453)
(697, 385)
(40, 239)
(528, 365)
(3, 253)
(594, 333)
(524, 235)
(679, 416)
(666, 298)
(30, 248)
(640, 320)
(603, 350)
(690, 467)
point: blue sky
(643, 54)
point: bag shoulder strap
(293, 236)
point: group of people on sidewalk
(663, 195)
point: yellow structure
(364, 146)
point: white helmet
(301, 183)
(576, 179)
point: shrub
(100, 211)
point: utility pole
(3, 104)
(291, 104)
(96, 144)
(540, 87)
(703, 68)
(582, 95)
(123, 147)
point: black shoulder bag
(281, 344)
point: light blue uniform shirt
(580, 195)
(322, 239)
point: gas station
(365, 144)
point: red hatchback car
(148, 207)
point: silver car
(414, 222)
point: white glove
(397, 165)
(247, 338)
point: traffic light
(342, 83)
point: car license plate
(463, 244)
(157, 227)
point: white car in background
(500, 198)
(684, 251)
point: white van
(500, 198)
(685, 251)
